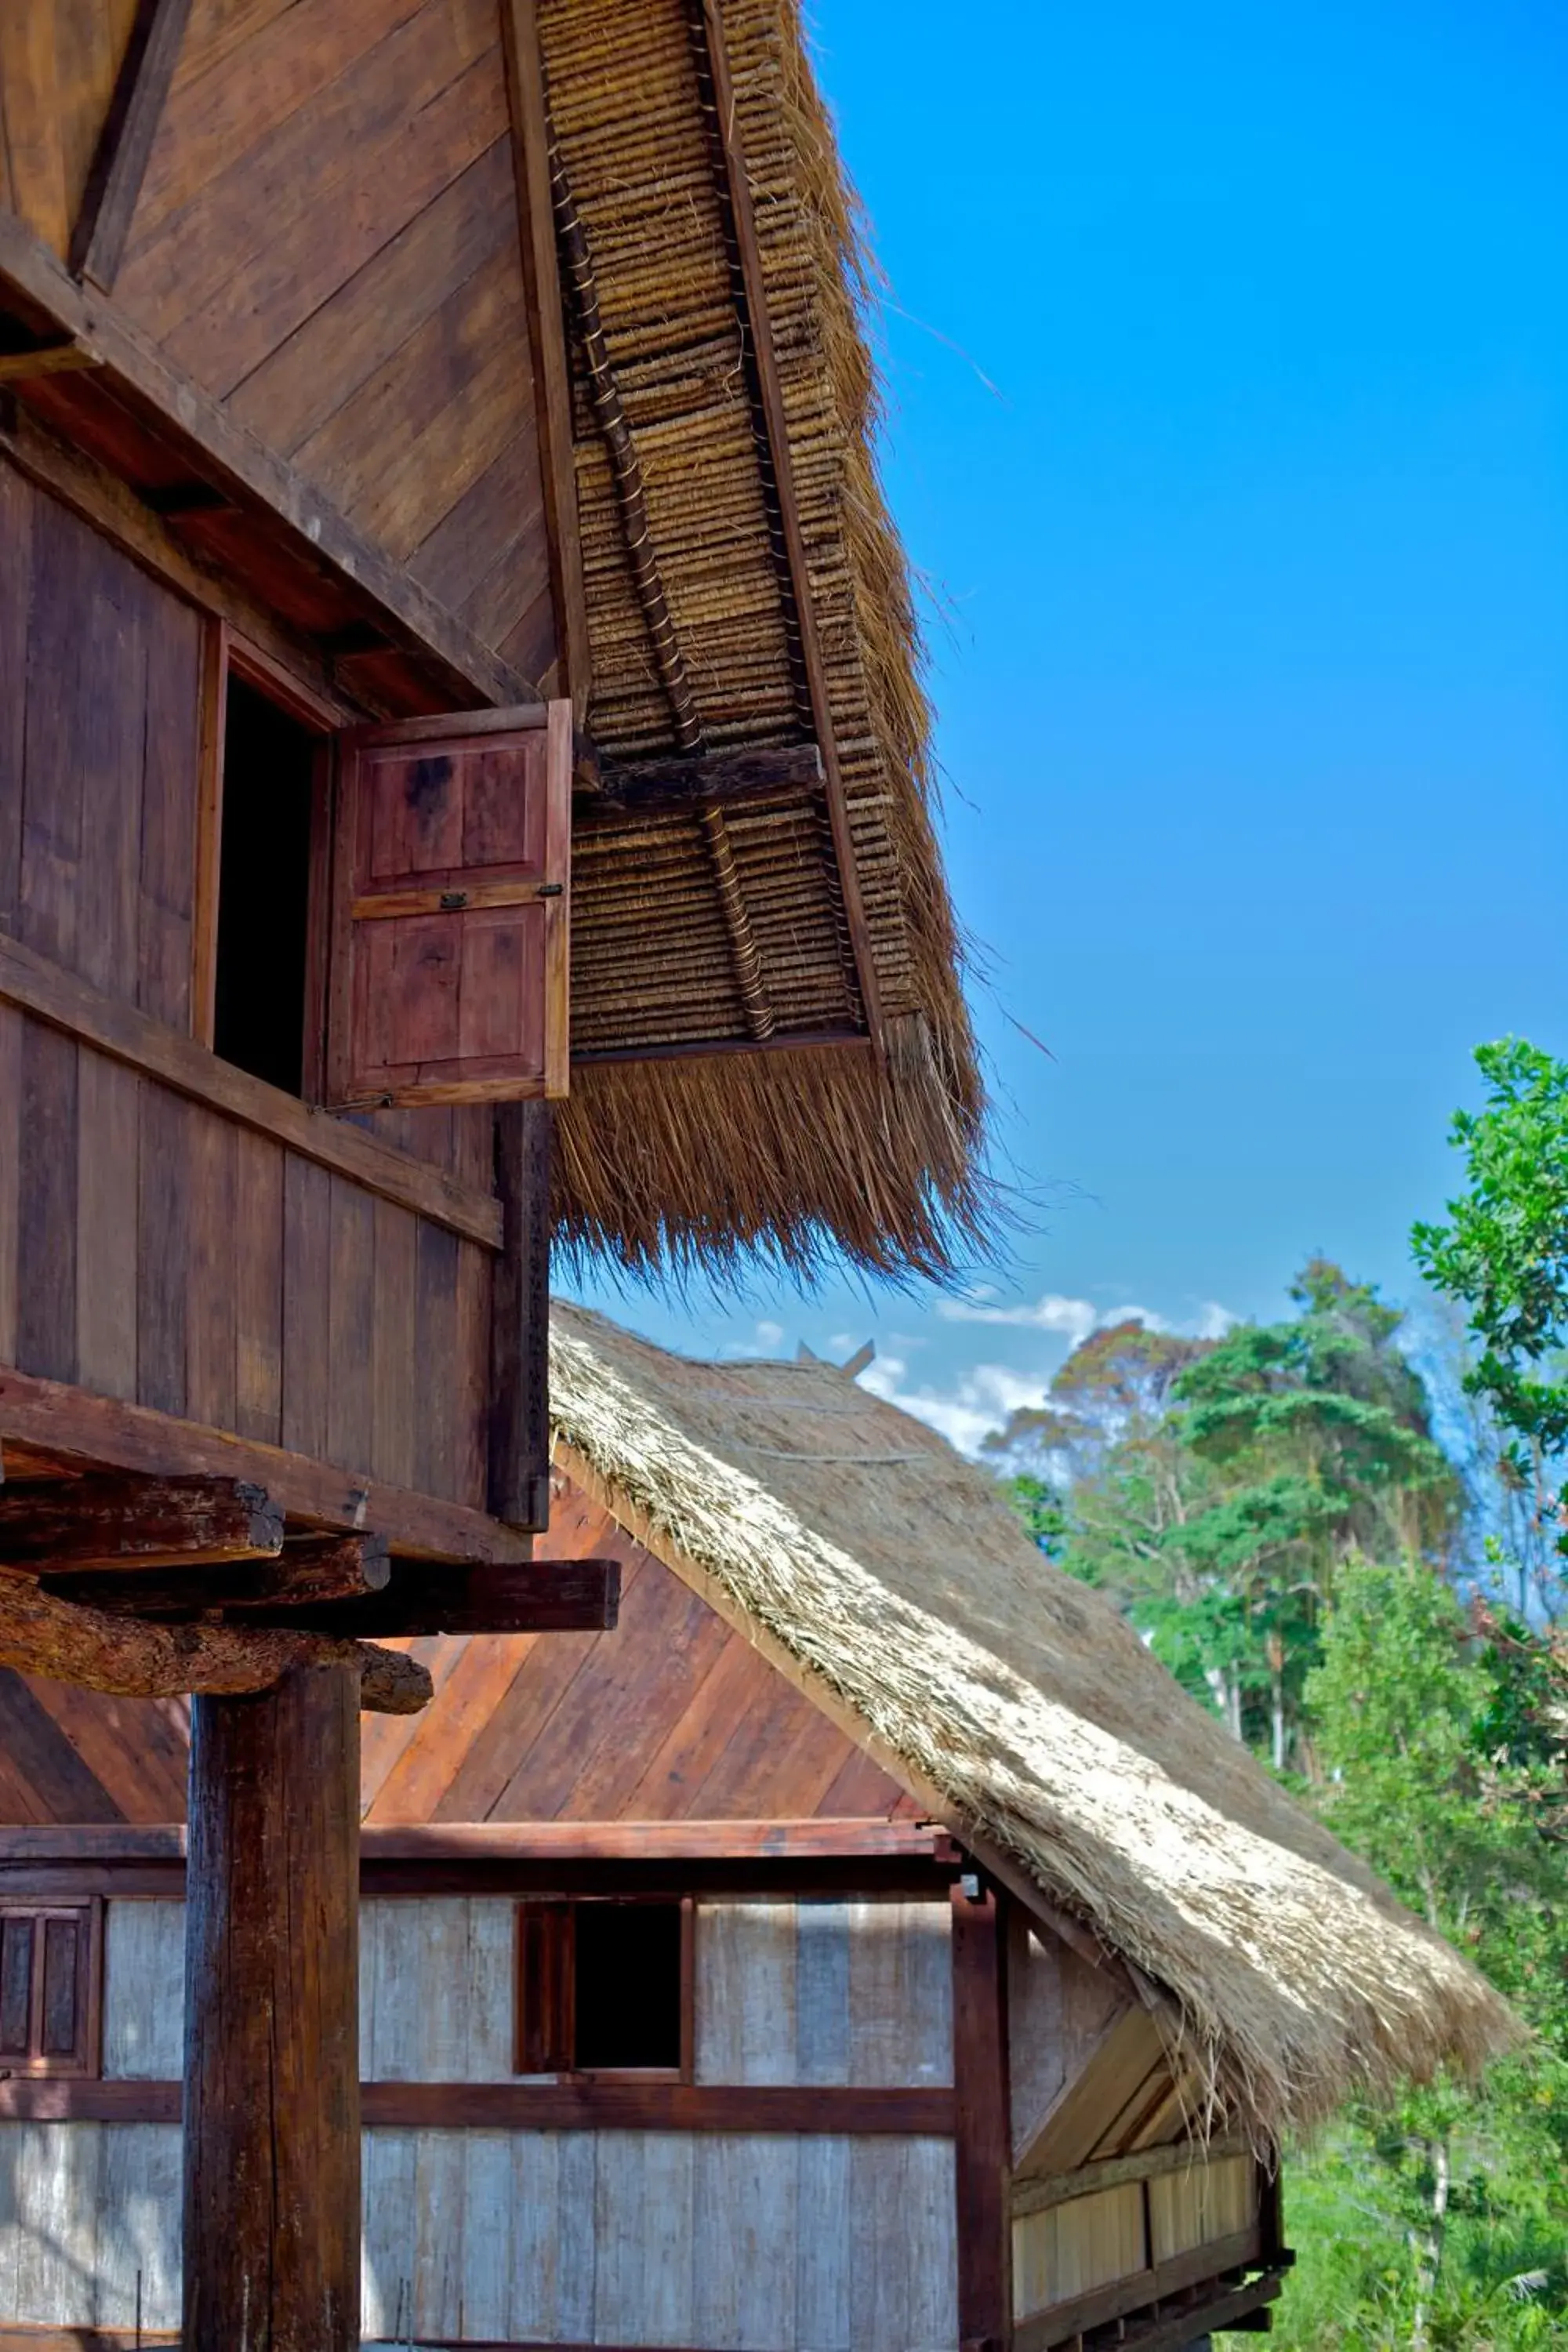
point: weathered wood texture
(1070, 2250)
(669, 2237)
(981, 2153)
(672, 1718)
(271, 2105)
(1081, 2054)
(327, 241)
(57, 72)
(235, 1284)
(49, 1526)
(90, 2225)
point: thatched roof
(891, 1575)
(683, 935)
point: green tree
(1441, 2220)
(1504, 1255)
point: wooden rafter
(625, 468)
(557, 1596)
(771, 432)
(119, 162)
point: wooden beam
(773, 444)
(781, 1041)
(35, 1843)
(681, 783)
(1114, 2171)
(221, 450)
(308, 1571)
(980, 2079)
(579, 2105)
(113, 1523)
(547, 341)
(271, 2106)
(103, 1433)
(547, 1596)
(41, 1635)
(125, 143)
(517, 1470)
(113, 1027)
(57, 358)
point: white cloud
(1212, 1321)
(1074, 1319)
(966, 1414)
(769, 1335)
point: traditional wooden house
(457, 684)
(868, 1949)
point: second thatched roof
(890, 1577)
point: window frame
(84, 2062)
(554, 1918)
(227, 655)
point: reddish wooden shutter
(545, 1984)
(48, 1988)
(449, 890)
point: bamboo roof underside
(891, 1575)
(691, 931)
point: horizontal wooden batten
(105, 1433)
(111, 1026)
(788, 2109)
(783, 1041)
(724, 777)
(1060, 2321)
(1115, 2171)
(46, 359)
(222, 452)
(16, 2335)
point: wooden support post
(272, 2102)
(519, 1321)
(984, 2146)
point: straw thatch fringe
(897, 1579)
(644, 1157)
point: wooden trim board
(122, 1031)
(583, 2104)
(37, 1843)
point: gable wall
(672, 1718)
(327, 241)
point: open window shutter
(450, 910)
(546, 1982)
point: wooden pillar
(271, 2106)
(519, 1321)
(983, 2136)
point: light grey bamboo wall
(757, 2242)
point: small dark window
(602, 1988)
(48, 1988)
(264, 888)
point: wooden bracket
(547, 1596)
(309, 1571)
(54, 358)
(112, 1523)
(682, 783)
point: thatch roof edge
(1339, 1990)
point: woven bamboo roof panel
(791, 1151)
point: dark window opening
(602, 1988)
(264, 890)
(628, 1985)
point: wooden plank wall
(327, 240)
(155, 1252)
(57, 67)
(673, 1716)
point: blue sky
(1227, 366)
